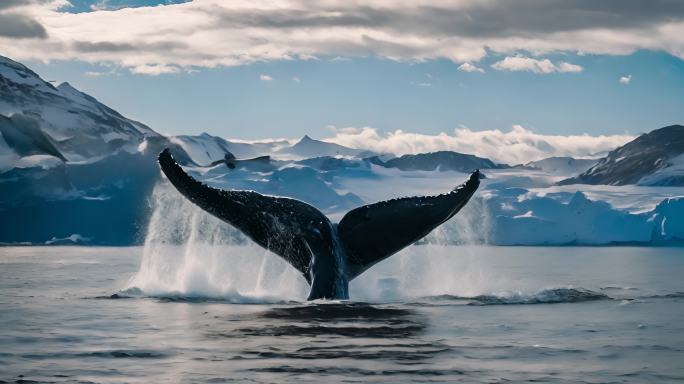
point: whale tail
(296, 231)
(287, 227)
(375, 232)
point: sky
(257, 69)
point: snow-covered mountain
(655, 158)
(205, 148)
(70, 167)
(78, 125)
(307, 147)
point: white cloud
(626, 79)
(296, 79)
(468, 67)
(154, 69)
(568, 67)
(265, 78)
(110, 72)
(97, 74)
(522, 63)
(101, 5)
(211, 33)
(517, 146)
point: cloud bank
(518, 146)
(210, 33)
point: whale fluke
(374, 232)
(284, 226)
(328, 255)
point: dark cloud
(20, 26)
(530, 17)
(6, 4)
(208, 34)
(477, 19)
(106, 46)
(390, 48)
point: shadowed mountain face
(442, 160)
(655, 158)
(71, 167)
(24, 136)
(104, 202)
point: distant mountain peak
(308, 147)
(308, 141)
(68, 90)
(66, 85)
(306, 138)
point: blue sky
(291, 84)
(427, 97)
(77, 6)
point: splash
(189, 253)
(471, 226)
(428, 270)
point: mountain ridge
(439, 160)
(651, 159)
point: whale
(329, 255)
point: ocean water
(227, 313)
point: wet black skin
(328, 255)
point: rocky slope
(655, 158)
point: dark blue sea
(489, 315)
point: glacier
(515, 206)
